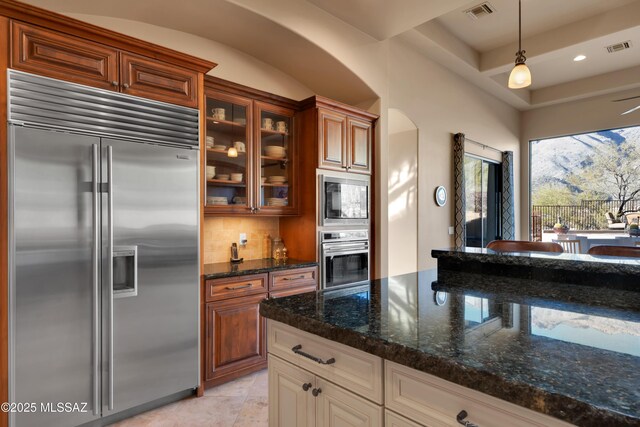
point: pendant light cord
(520, 58)
(519, 25)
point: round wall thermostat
(441, 196)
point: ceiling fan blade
(626, 99)
(637, 107)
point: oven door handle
(362, 246)
(354, 252)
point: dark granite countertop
(226, 269)
(569, 351)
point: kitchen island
(421, 349)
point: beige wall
(441, 104)
(403, 194)
(220, 233)
(581, 116)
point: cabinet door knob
(114, 83)
(316, 392)
(306, 386)
(461, 419)
(126, 86)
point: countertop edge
(223, 275)
(552, 404)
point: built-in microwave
(344, 201)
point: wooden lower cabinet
(234, 338)
(234, 332)
(297, 398)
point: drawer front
(394, 420)
(63, 57)
(353, 369)
(219, 289)
(157, 80)
(293, 278)
(293, 291)
(434, 402)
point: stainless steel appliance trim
(11, 250)
(95, 337)
(45, 101)
(110, 268)
(343, 178)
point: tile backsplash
(220, 233)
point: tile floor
(239, 403)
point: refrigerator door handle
(110, 267)
(96, 283)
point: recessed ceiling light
(579, 58)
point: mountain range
(553, 160)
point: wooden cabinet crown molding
(318, 101)
(55, 21)
(221, 85)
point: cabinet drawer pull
(316, 392)
(306, 386)
(126, 86)
(461, 419)
(302, 276)
(298, 350)
(235, 288)
(114, 83)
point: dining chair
(619, 251)
(572, 246)
(524, 246)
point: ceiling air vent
(618, 47)
(480, 11)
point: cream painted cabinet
(291, 403)
(298, 398)
(336, 407)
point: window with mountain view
(589, 181)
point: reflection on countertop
(553, 352)
(254, 266)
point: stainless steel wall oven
(344, 257)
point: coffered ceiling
(480, 50)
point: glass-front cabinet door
(228, 154)
(276, 154)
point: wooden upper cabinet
(65, 57)
(359, 143)
(60, 56)
(149, 78)
(332, 144)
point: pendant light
(520, 75)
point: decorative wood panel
(64, 57)
(235, 334)
(157, 80)
(4, 302)
(359, 145)
(332, 147)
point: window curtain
(460, 223)
(508, 215)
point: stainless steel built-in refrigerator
(103, 250)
